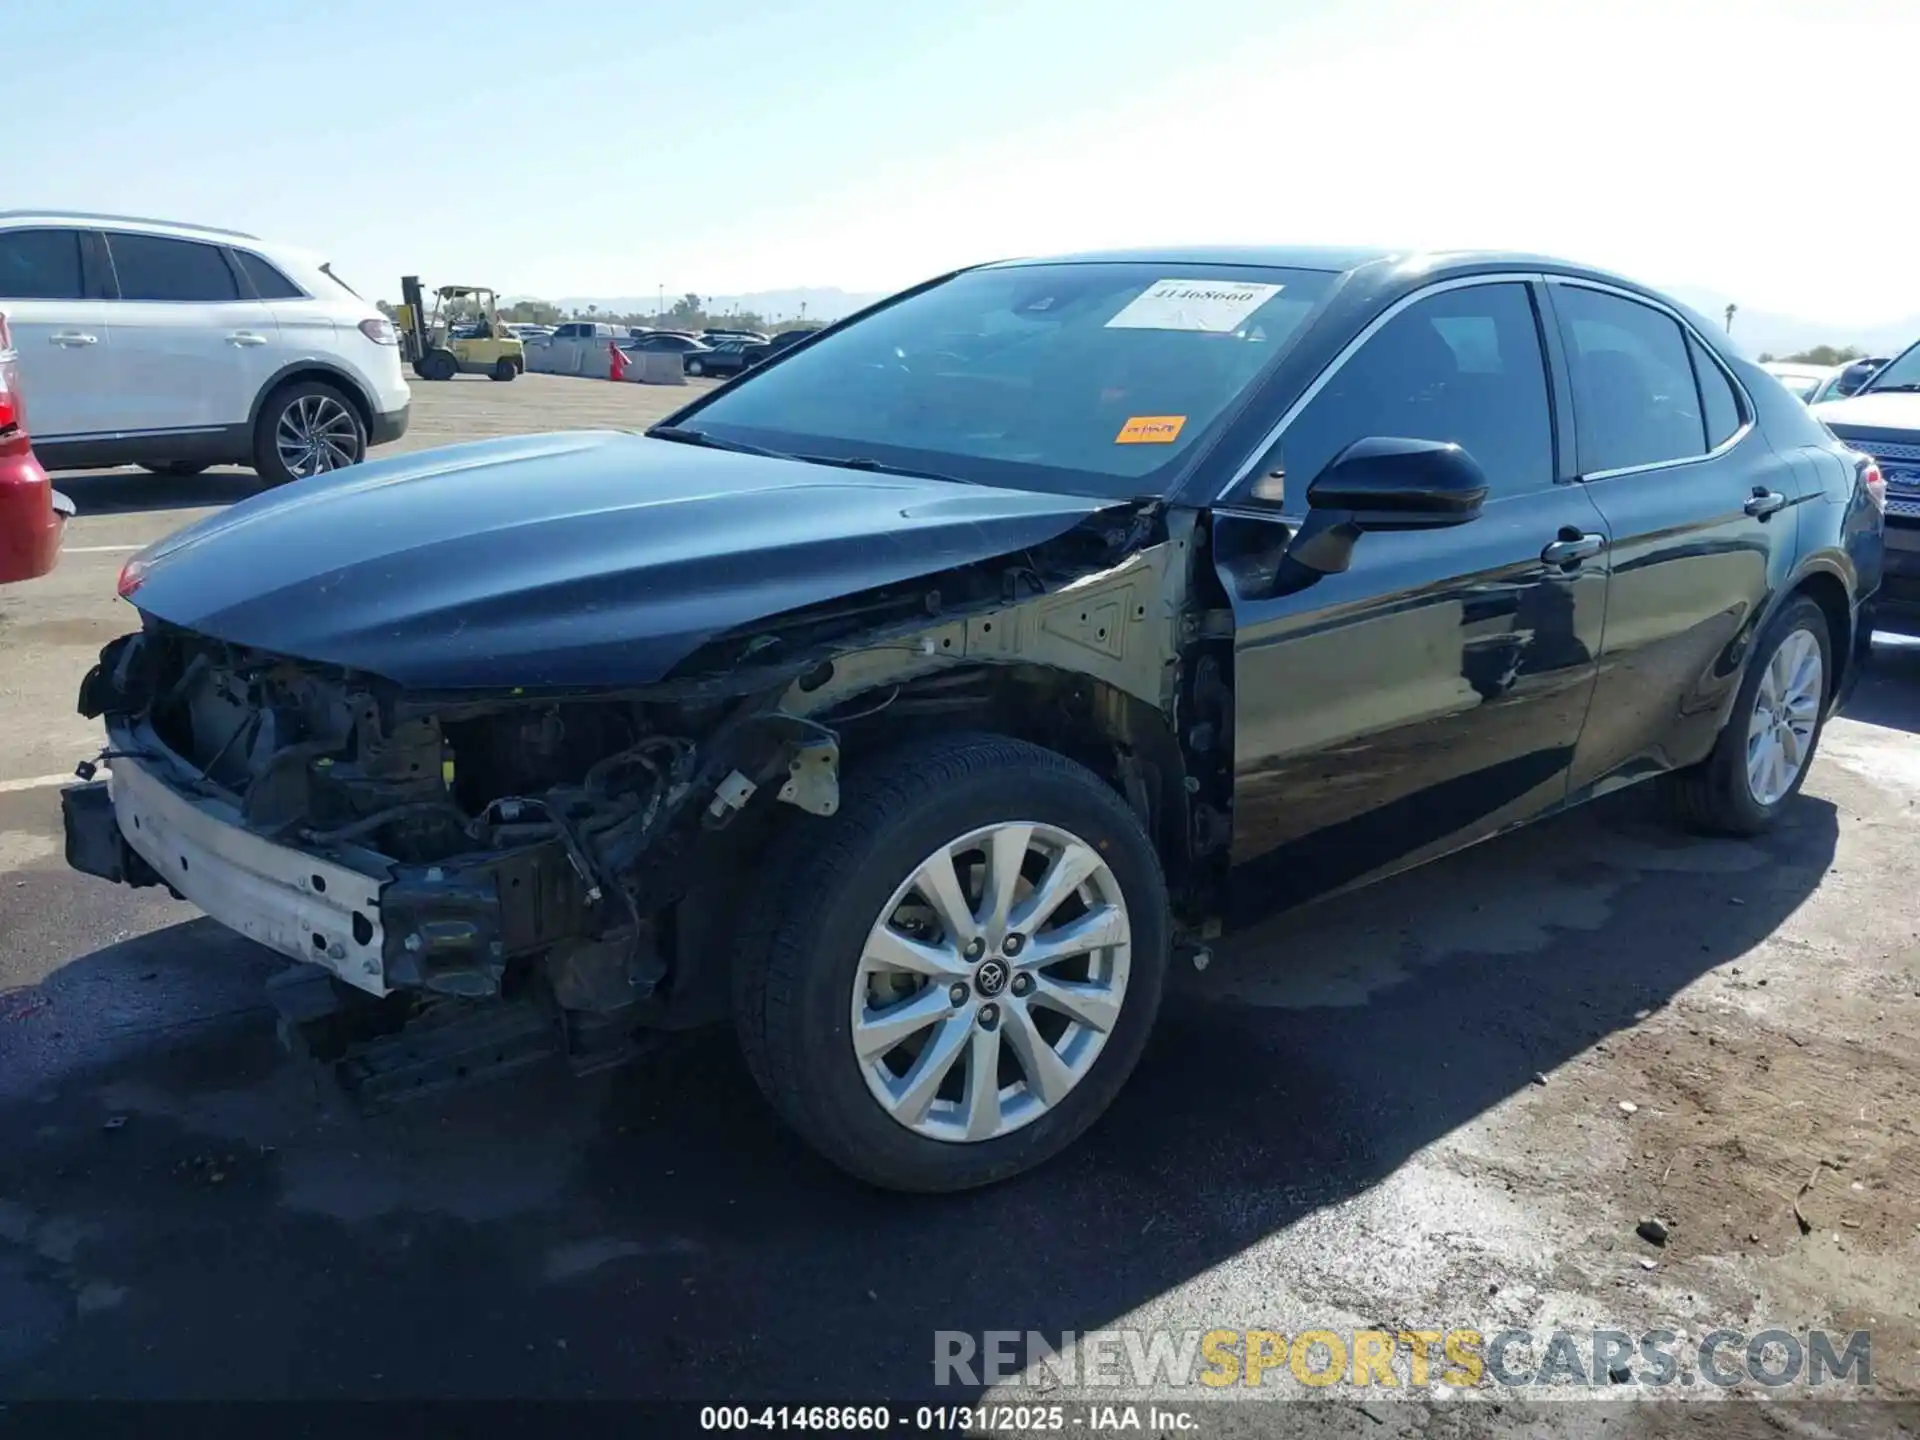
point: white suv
(177, 347)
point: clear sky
(721, 146)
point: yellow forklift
(462, 336)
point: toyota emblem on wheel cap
(991, 978)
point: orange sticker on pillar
(1150, 430)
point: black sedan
(917, 701)
(668, 342)
(729, 357)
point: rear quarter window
(266, 279)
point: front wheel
(307, 429)
(695, 367)
(959, 969)
(1766, 748)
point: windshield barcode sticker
(1217, 306)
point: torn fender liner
(598, 559)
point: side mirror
(1395, 484)
(1379, 484)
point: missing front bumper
(135, 829)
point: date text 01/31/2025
(945, 1419)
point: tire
(306, 407)
(695, 367)
(1720, 796)
(798, 966)
(504, 370)
(179, 469)
(438, 365)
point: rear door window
(40, 265)
(1635, 398)
(159, 267)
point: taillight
(1876, 485)
(131, 575)
(379, 330)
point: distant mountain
(825, 303)
(1758, 331)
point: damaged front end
(569, 853)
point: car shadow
(132, 491)
(656, 1233)
(1885, 694)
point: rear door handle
(73, 337)
(1764, 502)
(246, 337)
(1572, 547)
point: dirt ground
(1406, 1108)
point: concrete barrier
(589, 358)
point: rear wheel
(180, 469)
(959, 969)
(307, 428)
(504, 369)
(1764, 752)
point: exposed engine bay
(568, 853)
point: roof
(141, 222)
(1387, 271)
(1282, 257)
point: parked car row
(1816, 383)
(1881, 418)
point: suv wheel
(308, 428)
(1763, 754)
(959, 969)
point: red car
(32, 512)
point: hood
(563, 560)
(1884, 410)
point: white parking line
(99, 549)
(37, 782)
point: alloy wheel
(1786, 708)
(988, 987)
(317, 433)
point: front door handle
(246, 337)
(73, 337)
(1572, 547)
(1764, 502)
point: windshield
(1900, 373)
(1090, 379)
